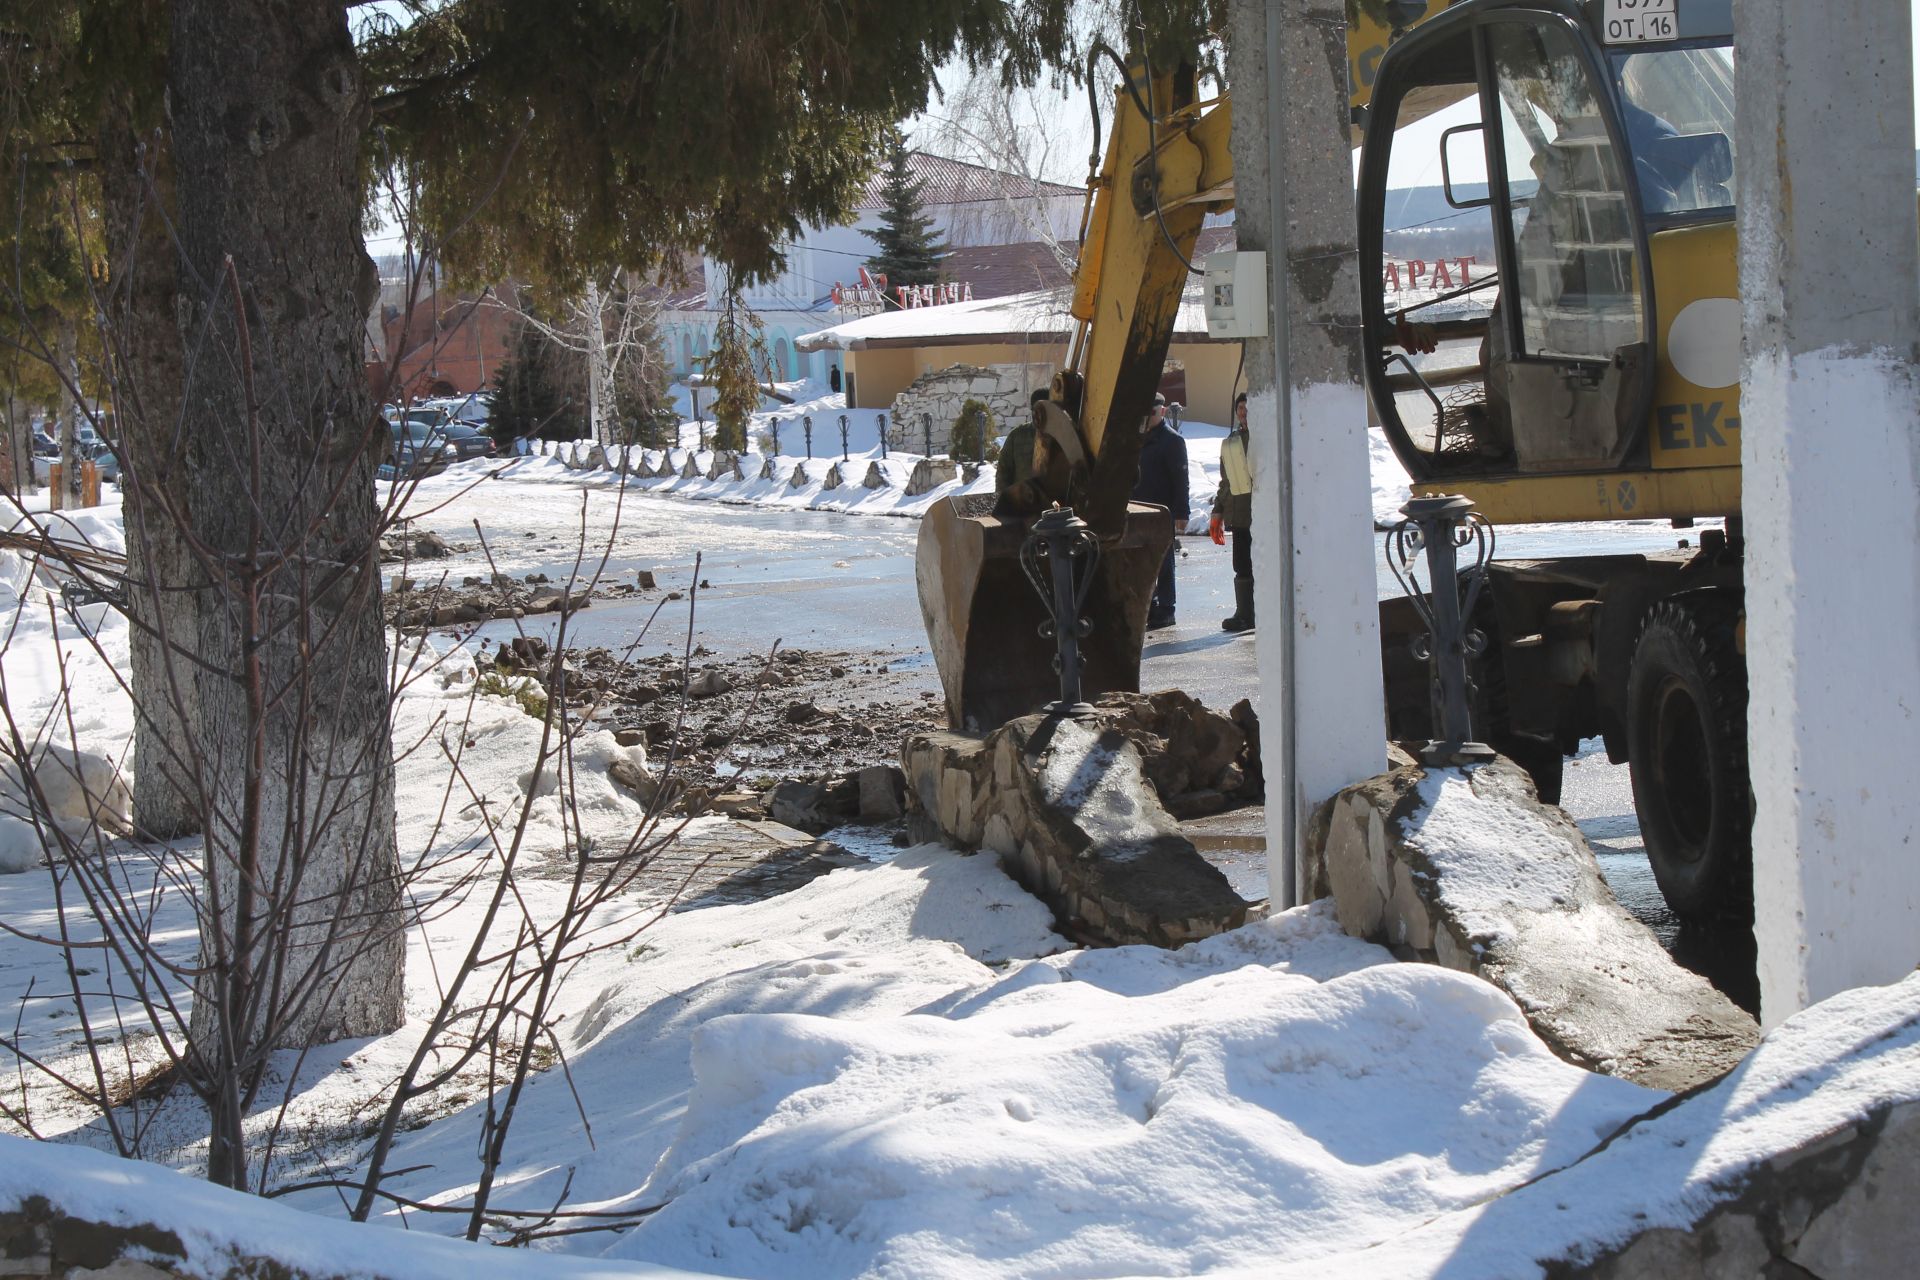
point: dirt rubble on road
(740, 734)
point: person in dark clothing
(833, 378)
(1015, 464)
(1163, 480)
(1233, 509)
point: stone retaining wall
(1071, 814)
(944, 392)
(1834, 1209)
(1466, 868)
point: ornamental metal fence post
(1441, 528)
(1060, 556)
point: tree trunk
(67, 346)
(16, 428)
(598, 386)
(146, 375)
(268, 112)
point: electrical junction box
(1237, 295)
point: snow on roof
(944, 181)
(1039, 316)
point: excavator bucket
(983, 617)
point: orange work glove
(1217, 530)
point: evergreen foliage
(631, 130)
(734, 370)
(910, 253)
(971, 430)
(540, 390)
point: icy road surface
(813, 579)
(825, 580)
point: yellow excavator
(1551, 328)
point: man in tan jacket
(1233, 509)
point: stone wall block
(1379, 859)
(1533, 928)
(1105, 842)
(929, 474)
(1837, 1207)
(1409, 918)
(1359, 900)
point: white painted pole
(1830, 451)
(1317, 642)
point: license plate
(1641, 21)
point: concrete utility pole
(1318, 645)
(1831, 457)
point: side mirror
(1479, 155)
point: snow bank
(216, 1227)
(1278, 1092)
(1816, 1074)
(866, 943)
(1389, 478)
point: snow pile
(867, 943)
(1816, 1074)
(1278, 1092)
(59, 684)
(1270, 1103)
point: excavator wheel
(1687, 748)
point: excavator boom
(1166, 166)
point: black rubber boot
(1242, 619)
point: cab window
(1677, 106)
(1576, 260)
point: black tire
(1687, 748)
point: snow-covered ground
(900, 1069)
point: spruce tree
(532, 394)
(910, 252)
(644, 411)
(734, 369)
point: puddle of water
(873, 843)
(1236, 843)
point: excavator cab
(1510, 329)
(1536, 174)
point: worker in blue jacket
(1163, 480)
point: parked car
(419, 449)
(468, 442)
(471, 410)
(44, 445)
(95, 450)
